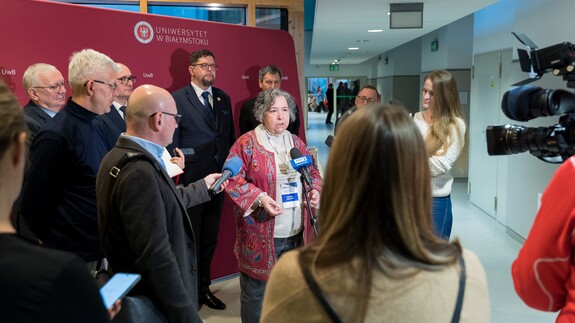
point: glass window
(230, 15)
(272, 18)
(126, 7)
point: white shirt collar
(199, 90)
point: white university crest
(144, 32)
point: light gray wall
(455, 46)
(345, 70)
(406, 90)
(396, 73)
(403, 60)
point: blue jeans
(442, 216)
(252, 290)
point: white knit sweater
(440, 164)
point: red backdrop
(42, 31)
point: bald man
(142, 219)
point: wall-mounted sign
(434, 45)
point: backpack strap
(114, 173)
(459, 304)
(316, 290)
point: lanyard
(284, 166)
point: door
(485, 110)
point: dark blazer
(36, 118)
(110, 126)
(205, 141)
(149, 230)
(248, 121)
(344, 116)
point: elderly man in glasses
(205, 135)
(367, 95)
(59, 196)
(110, 125)
(46, 89)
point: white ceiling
(340, 24)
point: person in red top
(544, 271)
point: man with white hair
(46, 89)
(59, 196)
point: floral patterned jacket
(254, 246)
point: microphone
(231, 168)
(300, 163)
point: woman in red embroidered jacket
(271, 216)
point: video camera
(552, 144)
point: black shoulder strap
(459, 304)
(114, 173)
(316, 290)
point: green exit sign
(434, 45)
(334, 67)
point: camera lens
(513, 139)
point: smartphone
(117, 287)
(329, 140)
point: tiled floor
(476, 230)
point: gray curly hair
(266, 99)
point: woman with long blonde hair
(442, 126)
(377, 257)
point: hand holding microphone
(178, 158)
(231, 168)
(313, 197)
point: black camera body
(552, 144)
(555, 57)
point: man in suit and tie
(110, 125)
(205, 135)
(46, 89)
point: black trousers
(205, 220)
(329, 113)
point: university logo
(144, 32)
